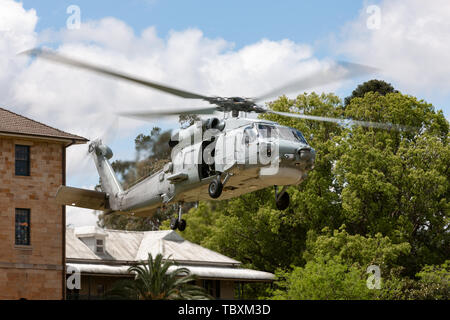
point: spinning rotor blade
(340, 71)
(369, 124)
(56, 57)
(161, 113)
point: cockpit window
(268, 131)
(299, 136)
(287, 134)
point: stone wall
(35, 271)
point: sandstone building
(32, 225)
(37, 253)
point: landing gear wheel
(182, 225)
(283, 202)
(174, 224)
(215, 188)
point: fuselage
(251, 153)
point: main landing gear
(282, 198)
(216, 186)
(177, 222)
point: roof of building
(13, 123)
(204, 272)
(124, 248)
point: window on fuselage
(249, 135)
(285, 133)
(299, 136)
(267, 131)
(290, 134)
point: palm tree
(153, 281)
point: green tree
(374, 181)
(323, 280)
(379, 181)
(397, 182)
(154, 281)
(433, 284)
(374, 85)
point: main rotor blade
(162, 113)
(56, 57)
(370, 124)
(340, 71)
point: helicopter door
(240, 146)
(225, 151)
(246, 152)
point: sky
(209, 47)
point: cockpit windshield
(299, 136)
(285, 133)
(267, 131)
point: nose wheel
(281, 199)
(177, 222)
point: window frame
(28, 230)
(251, 137)
(98, 246)
(26, 161)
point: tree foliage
(336, 267)
(376, 182)
(389, 188)
(374, 85)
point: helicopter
(213, 159)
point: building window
(218, 289)
(208, 285)
(99, 246)
(100, 290)
(22, 160)
(23, 227)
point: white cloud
(16, 34)
(411, 46)
(78, 217)
(83, 103)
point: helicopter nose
(307, 157)
(306, 154)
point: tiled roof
(11, 122)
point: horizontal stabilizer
(82, 198)
(177, 177)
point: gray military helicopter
(214, 158)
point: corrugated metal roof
(14, 123)
(134, 246)
(223, 273)
(123, 248)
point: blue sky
(241, 22)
